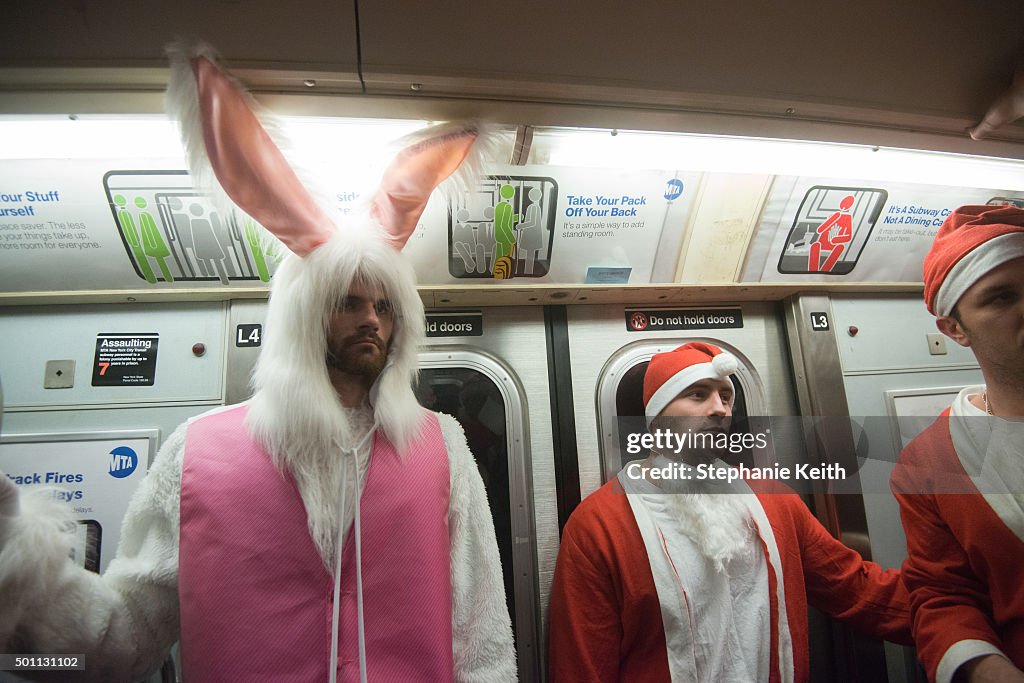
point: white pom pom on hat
(671, 372)
(725, 364)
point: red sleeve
(947, 600)
(585, 630)
(843, 585)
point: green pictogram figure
(504, 222)
(127, 224)
(252, 236)
(152, 243)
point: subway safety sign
(125, 360)
(662, 319)
(455, 324)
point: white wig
(295, 409)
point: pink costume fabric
(248, 564)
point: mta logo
(123, 462)
(673, 189)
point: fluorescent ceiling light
(313, 141)
(335, 148)
(686, 152)
(51, 137)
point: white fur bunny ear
(414, 174)
(223, 135)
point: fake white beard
(719, 524)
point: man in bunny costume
(328, 529)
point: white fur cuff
(34, 550)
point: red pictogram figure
(833, 236)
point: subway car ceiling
(914, 74)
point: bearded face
(362, 355)
(703, 413)
(359, 334)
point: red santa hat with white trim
(972, 241)
(669, 373)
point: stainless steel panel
(116, 420)
(123, 33)
(889, 354)
(820, 387)
(891, 335)
(34, 335)
(781, 58)
(240, 361)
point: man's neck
(1004, 400)
(351, 390)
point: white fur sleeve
(123, 622)
(481, 629)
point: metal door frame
(517, 431)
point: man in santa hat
(960, 483)
(329, 528)
(674, 578)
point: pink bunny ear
(412, 177)
(248, 165)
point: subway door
(897, 379)
(486, 368)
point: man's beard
(703, 439)
(350, 357)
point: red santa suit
(617, 614)
(958, 486)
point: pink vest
(256, 599)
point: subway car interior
(669, 166)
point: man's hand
(989, 669)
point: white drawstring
(359, 590)
(337, 577)
(336, 616)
